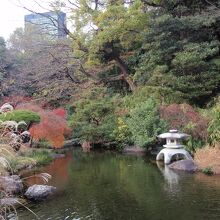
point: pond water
(112, 186)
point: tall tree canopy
(106, 36)
(181, 49)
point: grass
(208, 159)
(42, 157)
(208, 171)
(44, 144)
(26, 159)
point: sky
(12, 14)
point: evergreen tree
(181, 49)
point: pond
(107, 185)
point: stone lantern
(173, 146)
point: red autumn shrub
(184, 117)
(52, 127)
(60, 112)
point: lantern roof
(174, 134)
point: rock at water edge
(185, 165)
(39, 192)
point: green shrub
(160, 94)
(44, 144)
(145, 123)
(20, 115)
(122, 133)
(214, 125)
(208, 171)
(94, 118)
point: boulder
(134, 150)
(11, 184)
(39, 192)
(185, 165)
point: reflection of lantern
(173, 146)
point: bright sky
(12, 16)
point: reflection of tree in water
(58, 169)
(112, 186)
(115, 184)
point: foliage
(52, 126)
(167, 51)
(184, 118)
(143, 93)
(42, 157)
(21, 115)
(41, 67)
(105, 37)
(94, 119)
(214, 125)
(145, 123)
(122, 133)
(43, 144)
(180, 51)
(207, 171)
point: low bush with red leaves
(183, 117)
(52, 127)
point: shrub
(94, 118)
(208, 158)
(214, 125)
(183, 117)
(207, 171)
(145, 123)
(122, 133)
(21, 115)
(52, 127)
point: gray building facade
(52, 24)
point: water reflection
(104, 186)
(58, 169)
(172, 178)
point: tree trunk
(124, 69)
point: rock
(39, 192)
(11, 184)
(185, 165)
(72, 143)
(134, 150)
(11, 201)
(55, 156)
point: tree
(3, 61)
(145, 124)
(181, 49)
(105, 36)
(93, 119)
(44, 68)
(2, 54)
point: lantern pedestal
(166, 154)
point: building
(49, 23)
